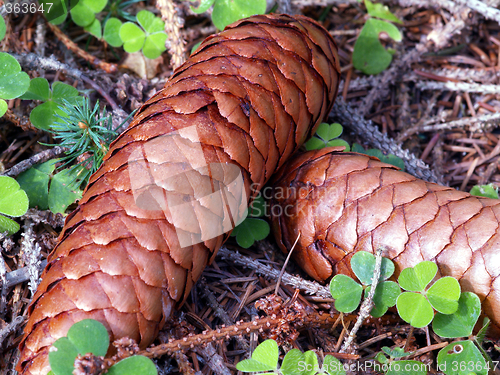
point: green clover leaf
(416, 279)
(13, 202)
(48, 191)
(3, 28)
(3, 107)
(369, 54)
(381, 11)
(150, 36)
(45, 114)
(327, 136)
(56, 11)
(290, 365)
(389, 159)
(363, 266)
(112, 32)
(250, 230)
(346, 292)
(135, 365)
(462, 358)
(13, 82)
(414, 309)
(488, 191)
(203, 7)
(462, 321)
(332, 366)
(385, 296)
(85, 336)
(444, 294)
(83, 13)
(226, 12)
(264, 358)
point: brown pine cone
(343, 202)
(180, 177)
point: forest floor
(439, 100)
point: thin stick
(297, 282)
(367, 304)
(107, 67)
(365, 128)
(258, 325)
(32, 61)
(284, 265)
(41, 157)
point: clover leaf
(389, 159)
(327, 136)
(462, 321)
(404, 367)
(83, 13)
(414, 309)
(346, 292)
(417, 278)
(150, 36)
(86, 336)
(50, 191)
(252, 228)
(3, 28)
(332, 366)
(3, 107)
(226, 12)
(203, 7)
(290, 363)
(363, 266)
(381, 11)
(418, 308)
(249, 231)
(264, 358)
(13, 81)
(45, 114)
(488, 191)
(396, 352)
(112, 32)
(369, 54)
(94, 28)
(385, 296)
(90, 336)
(13, 202)
(56, 11)
(137, 364)
(444, 294)
(462, 358)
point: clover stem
(408, 339)
(367, 304)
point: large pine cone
(343, 202)
(180, 177)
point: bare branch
(459, 86)
(297, 282)
(351, 118)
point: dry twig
(375, 138)
(309, 287)
(107, 67)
